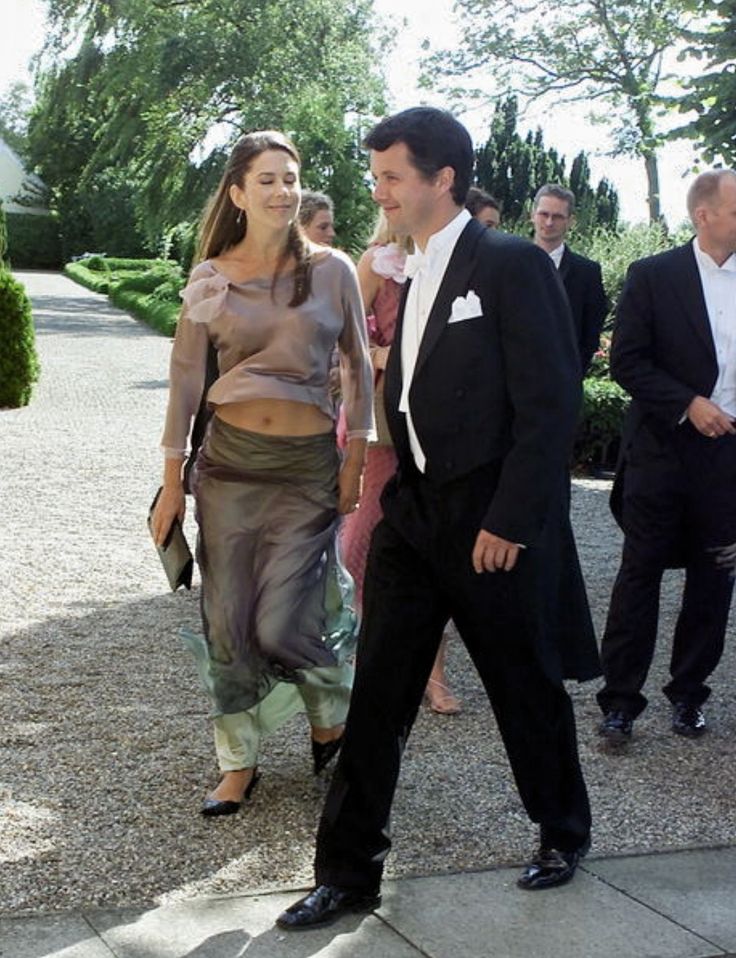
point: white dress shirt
(556, 255)
(719, 291)
(426, 270)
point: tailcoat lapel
(690, 289)
(454, 284)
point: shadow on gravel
(69, 316)
(106, 753)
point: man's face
(716, 224)
(407, 199)
(489, 217)
(551, 220)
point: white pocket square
(466, 307)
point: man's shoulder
(580, 261)
(665, 261)
(499, 245)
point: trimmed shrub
(149, 289)
(19, 368)
(159, 315)
(599, 433)
(96, 280)
(33, 241)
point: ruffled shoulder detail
(388, 262)
(205, 293)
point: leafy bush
(147, 288)
(599, 433)
(33, 241)
(180, 243)
(158, 314)
(617, 251)
(19, 367)
(95, 279)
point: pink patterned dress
(358, 526)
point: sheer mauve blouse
(269, 350)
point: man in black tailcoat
(553, 213)
(482, 395)
(674, 350)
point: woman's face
(270, 191)
(321, 228)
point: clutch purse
(175, 554)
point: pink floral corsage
(388, 261)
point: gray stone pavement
(103, 757)
(675, 905)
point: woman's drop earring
(239, 218)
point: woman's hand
(170, 505)
(350, 478)
(349, 485)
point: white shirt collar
(448, 235)
(706, 262)
(556, 254)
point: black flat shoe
(688, 720)
(324, 752)
(550, 867)
(325, 904)
(214, 806)
(616, 727)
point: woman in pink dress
(381, 276)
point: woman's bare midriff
(275, 417)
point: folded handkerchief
(466, 307)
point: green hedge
(19, 368)
(147, 288)
(599, 433)
(157, 313)
(33, 241)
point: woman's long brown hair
(223, 227)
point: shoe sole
(332, 917)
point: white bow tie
(414, 262)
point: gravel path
(105, 748)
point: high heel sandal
(324, 752)
(215, 806)
(445, 703)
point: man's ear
(445, 179)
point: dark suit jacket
(496, 387)
(584, 287)
(503, 388)
(662, 351)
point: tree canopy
(144, 97)
(712, 94)
(606, 51)
(513, 168)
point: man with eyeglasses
(553, 213)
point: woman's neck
(265, 248)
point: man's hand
(709, 419)
(491, 553)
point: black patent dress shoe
(325, 904)
(324, 752)
(688, 720)
(551, 867)
(616, 727)
(212, 807)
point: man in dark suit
(553, 213)
(482, 394)
(674, 350)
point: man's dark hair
(434, 139)
(477, 200)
